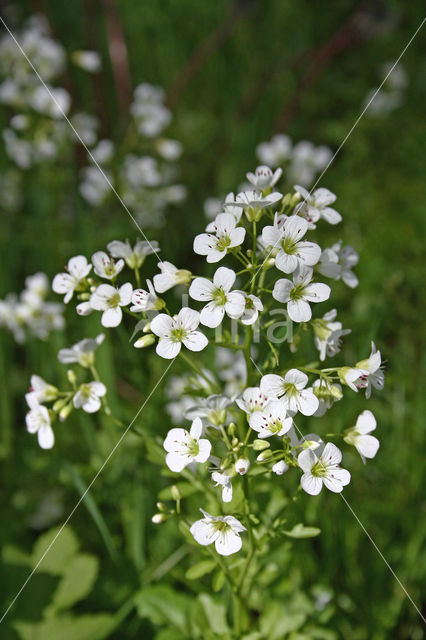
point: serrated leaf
(300, 531)
(76, 582)
(58, 547)
(200, 569)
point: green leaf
(76, 583)
(300, 531)
(90, 627)
(215, 613)
(277, 620)
(218, 581)
(59, 546)
(14, 555)
(163, 605)
(200, 569)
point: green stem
(199, 371)
(137, 276)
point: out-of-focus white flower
(264, 177)
(135, 257)
(276, 151)
(87, 60)
(86, 126)
(169, 149)
(82, 352)
(38, 421)
(88, 396)
(94, 187)
(337, 262)
(148, 109)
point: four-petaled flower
(173, 331)
(38, 421)
(293, 252)
(226, 235)
(358, 435)
(219, 297)
(299, 293)
(105, 267)
(108, 299)
(183, 448)
(264, 177)
(273, 421)
(224, 531)
(253, 400)
(291, 389)
(144, 300)
(316, 205)
(322, 470)
(170, 276)
(135, 257)
(88, 396)
(82, 352)
(77, 269)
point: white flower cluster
(87, 396)
(37, 131)
(30, 314)
(244, 418)
(146, 177)
(386, 99)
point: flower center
(114, 301)
(219, 297)
(275, 426)
(290, 389)
(319, 470)
(85, 391)
(221, 526)
(289, 246)
(178, 334)
(223, 242)
(297, 292)
(193, 447)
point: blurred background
(234, 74)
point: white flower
(213, 409)
(88, 396)
(184, 448)
(144, 300)
(327, 395)
(90, 61)
(254, 200)
(273, 421)
(82, 352)
(170, 276)
(242, 466)
(280, 468)
(322, 470)
(253, 400)
(177, 330)
(316, 206)
(84, 308)
(77, 268)
(372, 374)
(276, 151)
(222, 530)
(253, 305)
(108, 299)
(135, 257)
(263, 177)
(228, 206)
(291, 389)
(223, 480)
(104, 265)
(40, 391)
(219, 297)
(328, 334)
(227, 235)
(38, 421)
(94, 187)
(337, 263)
(299, 293)
(169, 149)
(366, 445)
(293, 252)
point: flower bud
(59, 404)
(159, 518)
(217, 417)
(242, 466)
(183, 276)
(144, 341)
(161, 506)
(72, 377)
(147, 328)
(159, 304)
(176, 494)
(295, 199)
(280, 467)
(264, 455)
(260, 445)
(232, 429)
(65, 412)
